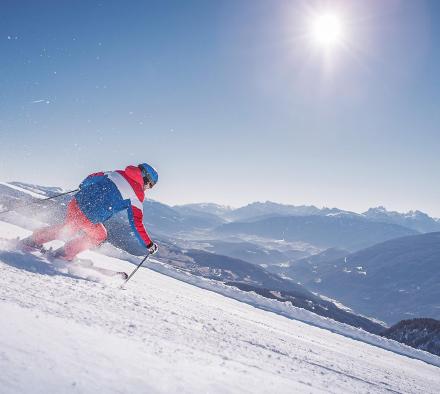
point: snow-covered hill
(61, 333)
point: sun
(327, 30)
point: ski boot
(57, 254)
(29, 245)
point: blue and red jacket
(103, 194)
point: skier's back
(101, 195)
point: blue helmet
(149, 173)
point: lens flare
(327, 30)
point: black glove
(153, 248)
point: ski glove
(153, 248)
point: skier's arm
(135, 216)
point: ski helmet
(149, 173)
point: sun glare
(327, 30)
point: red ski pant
(83, 233)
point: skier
(100, 196)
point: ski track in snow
(64, 334)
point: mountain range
(394, 280)
(416, 220)
(336, 231)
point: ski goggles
(147, 180)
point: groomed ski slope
(60, 333)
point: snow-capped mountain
(394, 280)
(416, 220)
(13, 192)
(68, 329)
(210, 209)
(329, 231)
(258, 210)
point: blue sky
(228, 99)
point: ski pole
(134, 271)
(35, 202)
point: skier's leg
(57, 231)
(93, 236)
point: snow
(60, 333)
(36, 193)
(342, 213)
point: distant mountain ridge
(221, 211)
(392, 280)
(259, 209)
(416, 220)
(334, 231)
